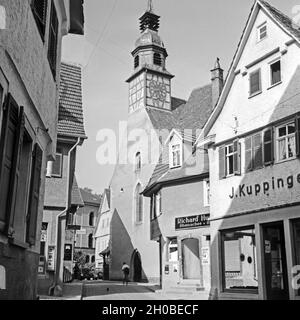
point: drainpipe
(56, 283)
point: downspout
(56, 282)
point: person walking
(125, 270)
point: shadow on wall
(256, 191)
(122, 250)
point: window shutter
(237, 157)
(298, 136)
(257, 151)
(222, 163)
(15, 172)
(8, 135)
(37, 160)
(268, 147)
(53, 34)
(248, 154)
(39, 8)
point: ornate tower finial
(150, 6)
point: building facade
(31, 34)
(254, 143)
(62, 194)
(86, 217)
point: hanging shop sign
(201, 220)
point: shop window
(230, 160)
(275, 72)
(255, 82)
(239, 260)
(53, 39)
(206, 193)
(296, 243)
(173, 250)
(138, 199)
(286, 141)
(39, 9)
(262, 32)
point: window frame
(259, 91)
(60, 174)
(206, 193)
(271, 74)
(138, 162)
(259, 32)
(222, 274)
(41, 22)
(277, 138)
(172, 152)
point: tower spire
(149, 20)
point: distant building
(62, 195)
(253, 140)
(86, 218)
(30, 53)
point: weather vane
(150, 6)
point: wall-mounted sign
(51, 258)
(191, 222)
(205, 255)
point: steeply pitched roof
(283, 19)
(89, 197)
(70, 113)
(76, 198)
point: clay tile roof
(283, 19)
(70, 113)
(89, 197)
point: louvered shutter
(53, 36)
(237, 157)
(257, 151)
(37, 160)
(8, 136)
(298, 136)
(222, 163)
(15, 172)
(248, 154)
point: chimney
(217, 81)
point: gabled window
(286, 141)
(138, 162)
(39, 9)
(138, 204)
(175, 155)
(275, 69)
(255, 82)
(53, 39)
(230, 160)
(157, 60)
(262, 32)
(57, 165)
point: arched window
(93, 259)
(138, 204)
(90, 241)
(138, 162)
(136, 61)
(87, 259)
(91, 219)
(157, 59)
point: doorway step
(185, 287)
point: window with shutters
(230, 160)
(53, 39)
(286, 141)
(239, 260)
(39, 9)
(255, 82)
(262, 32)
(275, 69)
(138, 207)
(57, 165)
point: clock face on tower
(158, 91)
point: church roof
(89, 197)
(70, 112)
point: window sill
(285, 160)
(18, 243)
(255, 94)
(177, 167)
(275, 85)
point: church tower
(150, 84)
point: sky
(195, 33)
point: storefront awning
(105, 252)
(76, 17)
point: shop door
(190, 259)
(275, 262)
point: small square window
(275, 72)
(255, 82)
(57, 166)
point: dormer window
(136, 61)
(157, 59)
(175, 150)
(262, 32)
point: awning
(76, 17)
(105, 252)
